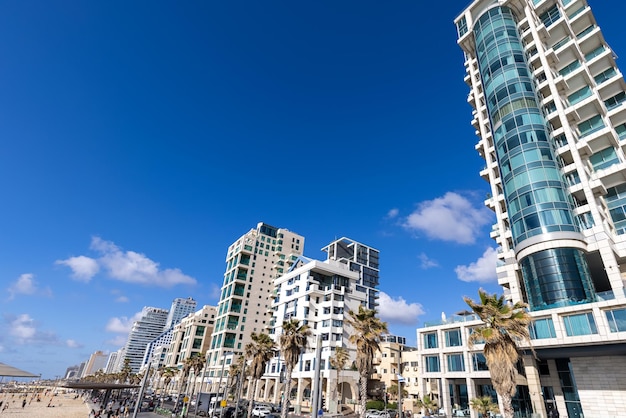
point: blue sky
(139, 139)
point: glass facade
(556, 277)
(534, 190)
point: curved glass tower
(535, 194)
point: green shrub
(380, 405)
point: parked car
(229, 411)
(370, 412)
(392, 412)
(375, 413)
(261, 411)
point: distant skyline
(141, 139)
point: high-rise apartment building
(191, 336)
(97, 361)
(144, 330)
(112, 362)
(180, 309)
(548, 111)
(252, 263)
(320, 294)
(362, 259)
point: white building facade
(320, 294)
(548, 110)
(253, 262)
(144, 331)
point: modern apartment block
(191, 337)
(362, 259)
(97, 361)
(157, 348)
(112, 361)
(548, 111)
(144, 330)
(320, 294)
(253, 262)
(180, 308)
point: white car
(261, 411)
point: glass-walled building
(548, 110)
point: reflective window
(541, 328)
(603, 159)
(579, 95)
(580, 324)
(479, 363)
(430, 340)
(453, 338)
(455, 363)
(591, 125)
(616, 319)
(461, 26)
(432, 363)
(569, 68)
(550, 16)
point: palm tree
(182, 386)
(292, 341)
(197, 364)
(235, 372)
(167, 375)
(339, 361)
(504, 326)
(367, 329)
(426, 404)
(126, 371)
(260, 350)
(484, 405)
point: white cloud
(126, 266)
(426, 262)
(482, 270)
(83, 268)
(22, 328)
(449, 218)
(393, 213)
(398, 311)
(122, 325)
(133, 267)
(118, 340)
(122, 299)
(24, 285)
(73, 344)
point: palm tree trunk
(285, 407)
(363, 390)
(193, 391)
(251, 406)
(507, 406)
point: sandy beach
(62, 406)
